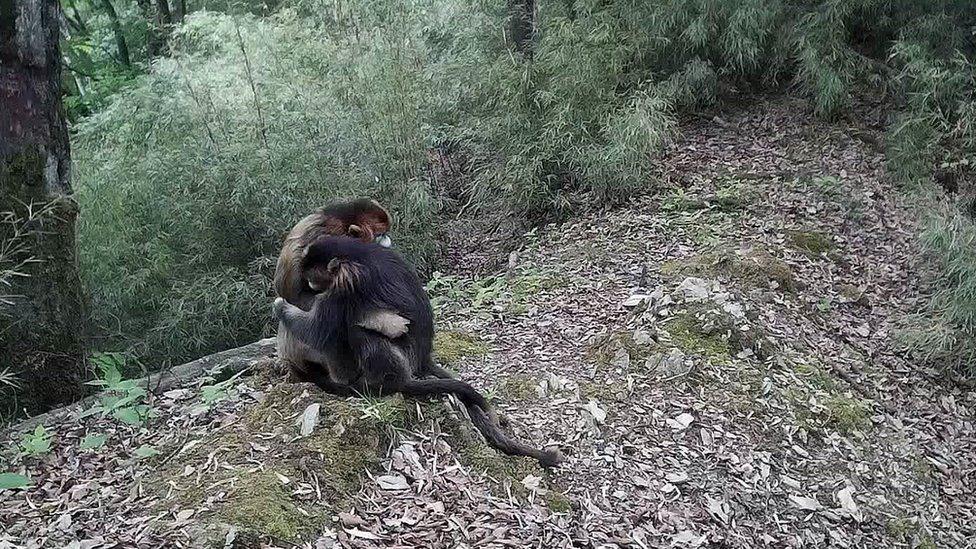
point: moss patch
(816, 376)
(838, 411)
(519, 387)
(558, 502)
(686, 331)
(450, 347)
(812, 243)
(734, 196)
(756, 269)
(265, 443)
(900, 528)
(681, 201)
(263, 504)
(602, 391)
(847, 414)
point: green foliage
(11, 481)
(190, 178)
(36, 443)
(496, 293)
(947, 335)
(123, 399)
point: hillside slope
(716, 363)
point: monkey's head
(334, 263)
(363, 219)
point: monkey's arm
(388, 323)
(311, 328)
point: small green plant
(11, 481)
(828, 185)
(36, 443)
(384, 411)
(122, 399)
(212, 394)
(92, 442)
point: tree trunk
(163, 13)
(42, 318)
(521, 25)
(154, 41)
(120, 44)
(181, 11)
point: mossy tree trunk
(42, 316)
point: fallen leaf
(676, 478)
(309, 419)
(351, 519)
(635, 300)
(91, 442)
(599, 414)
(392, 482)
(808, 504)
(848, 505)
(9, 481)
(681, 421)
(689, 538)
(184, 515)
(146, 451)
(357, 533)
(718, 509)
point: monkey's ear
(355, 231)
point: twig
(250, 80)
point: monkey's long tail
(477, 407)
(549, 457)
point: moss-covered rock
(687, 330)
(262, 504)
(756, 268)
(558, 502)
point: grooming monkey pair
(354, 317)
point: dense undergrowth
(189, 176)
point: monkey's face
(366, 233)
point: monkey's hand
(278, 309)
(387, 323)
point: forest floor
(717, 363)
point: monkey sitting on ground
(363, 219)
(361, 278)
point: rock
(694, 289)
(642, 337)
(621, 358)
(668, 365)
(635, 300)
